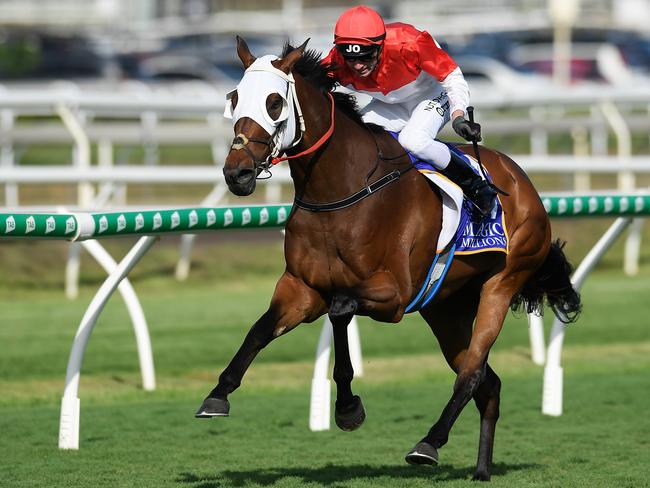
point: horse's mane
(310, 68)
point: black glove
(470, 131)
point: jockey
(416, 88)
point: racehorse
(361, 236)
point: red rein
(318, 144)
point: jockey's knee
(413, 140)
(425, 147)
(407, 136)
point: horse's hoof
(351, 417)
(481, 476)
(213, 407)
(423, 453)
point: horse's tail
(551, 281)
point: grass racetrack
(132, 438)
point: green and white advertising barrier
(597, 205)
(83, 226)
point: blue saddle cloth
(473, 235)
(479, 234)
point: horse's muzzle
(240, 181)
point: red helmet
(360, 25)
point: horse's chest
(331, 261)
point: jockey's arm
(458, 94)
(436, 62)
(457, 91)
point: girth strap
(352, 199)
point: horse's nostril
(239, 176)
(245, 176)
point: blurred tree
(19, 55)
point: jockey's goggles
(358, 52)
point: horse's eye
(274, 105)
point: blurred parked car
(486, 74)
(173, 67)
(532, 50)
(207, 57)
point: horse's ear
(290, 59)
(244, 53)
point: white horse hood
(260, 80)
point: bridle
(274, 142)
(241, 141)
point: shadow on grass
(331, 475)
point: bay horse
(360, 241)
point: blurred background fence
(114, 103)
(574, 132)
(99, 87)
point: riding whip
(470, 113)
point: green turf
(194, 325)
(150, 439)
(133, 438)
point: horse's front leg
(293, 303)
(378, 297)
(349, 413)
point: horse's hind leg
(349, 413)
(451, 322)
(471, 366)
(292, 303)
(487, 398)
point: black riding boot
(479, 191)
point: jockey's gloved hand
(470, 131)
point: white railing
(135, 114)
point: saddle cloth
(459, 226)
